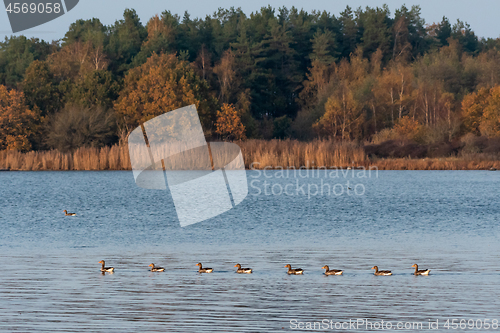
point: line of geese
(291, 271)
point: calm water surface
(447, 221)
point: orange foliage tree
(17, 121)
(229, 124)
(481, 112)
(472, 109)
(408, 128)
(342, 113)
(164, 83)
(490, 122)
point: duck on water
(296, 271)
(106, 269)
(381, 273)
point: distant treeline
(366, 75)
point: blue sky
(482, 15)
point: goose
(377, 272)
(296, 271)
(332, 271)
(242, 270)
(106, 269)
(156, 269)
(422, 271)
(204, 270)
(69, 214)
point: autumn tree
(226, 75)
(17, 121)
(490, 122)
(473, 106)
(229, 124)
(164, 83)
(481, 112)
(447, 101)
(408, 128)
(342, 114)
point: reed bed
(82, 159)
(450, 163)
(257, 154)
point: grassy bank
(257, 154)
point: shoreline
(436, 164)
(257, 154)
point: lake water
(447, 221)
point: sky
(482, 15)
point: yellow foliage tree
(163, 84)
(229, 124)
(481, 112)
(342, 114)
(490, 121)
(17, 121)
(473, 106)
(408, 128)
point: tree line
(364, 74)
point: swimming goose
(242, 270)
(69, 214)
(422, 271)
(377, 272)
(106, 269)
(332, 271)
(204, 270)
(156, 269)
(296, 271)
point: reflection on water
(50, 278)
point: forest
(390, 82)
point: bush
(384, 135)
(76, 127)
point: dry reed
(257, 154)
(114, 158)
